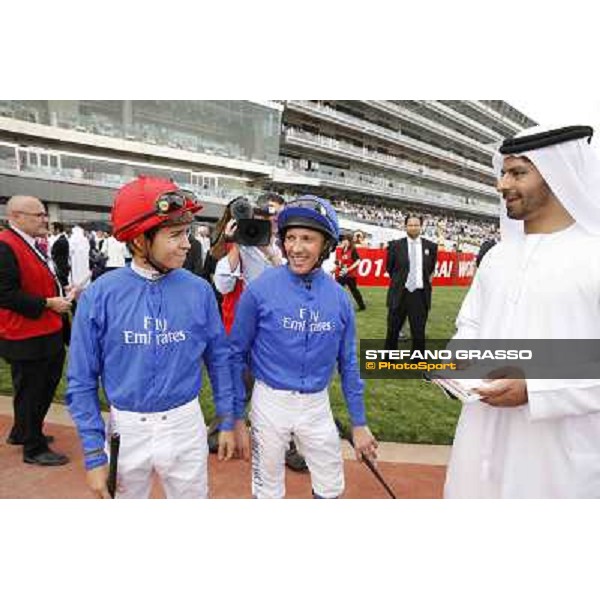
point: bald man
(32, 308)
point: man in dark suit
(410, 265)
(31, 327)
(60, 254)
(194, 260)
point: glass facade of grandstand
(392, 155)
(70, 167)
(233, 129)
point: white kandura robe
(535, 287)
(79, 252)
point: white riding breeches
(277, 414)
(173, 444)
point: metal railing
(386, 160)
(449, 113)
(374, 184)
(397, 138)
(432, 126)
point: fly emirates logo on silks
(307, 320)
(156, 331)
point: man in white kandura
(536, 438)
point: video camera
(250, 231)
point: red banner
(452, 268)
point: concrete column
(128, 117)
(54, 213)
(63, 111)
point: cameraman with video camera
(245, 247)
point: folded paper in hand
(460, 388)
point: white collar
(149, 274)
(30, 240)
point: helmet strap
(156, 266)
(146, 255)
(328, 248)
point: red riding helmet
(147, 202)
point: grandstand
(386, 156)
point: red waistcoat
(37, 280)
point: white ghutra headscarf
(571, 169)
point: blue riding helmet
(311, 212)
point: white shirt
(114, 252)
(538, 287)
(252, 260)
(329, 264)
(205, 242)
(79, 251)
(419, 262)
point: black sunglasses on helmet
(172, 201)
(165, 204)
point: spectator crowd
(448, 231)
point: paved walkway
(413, 471)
